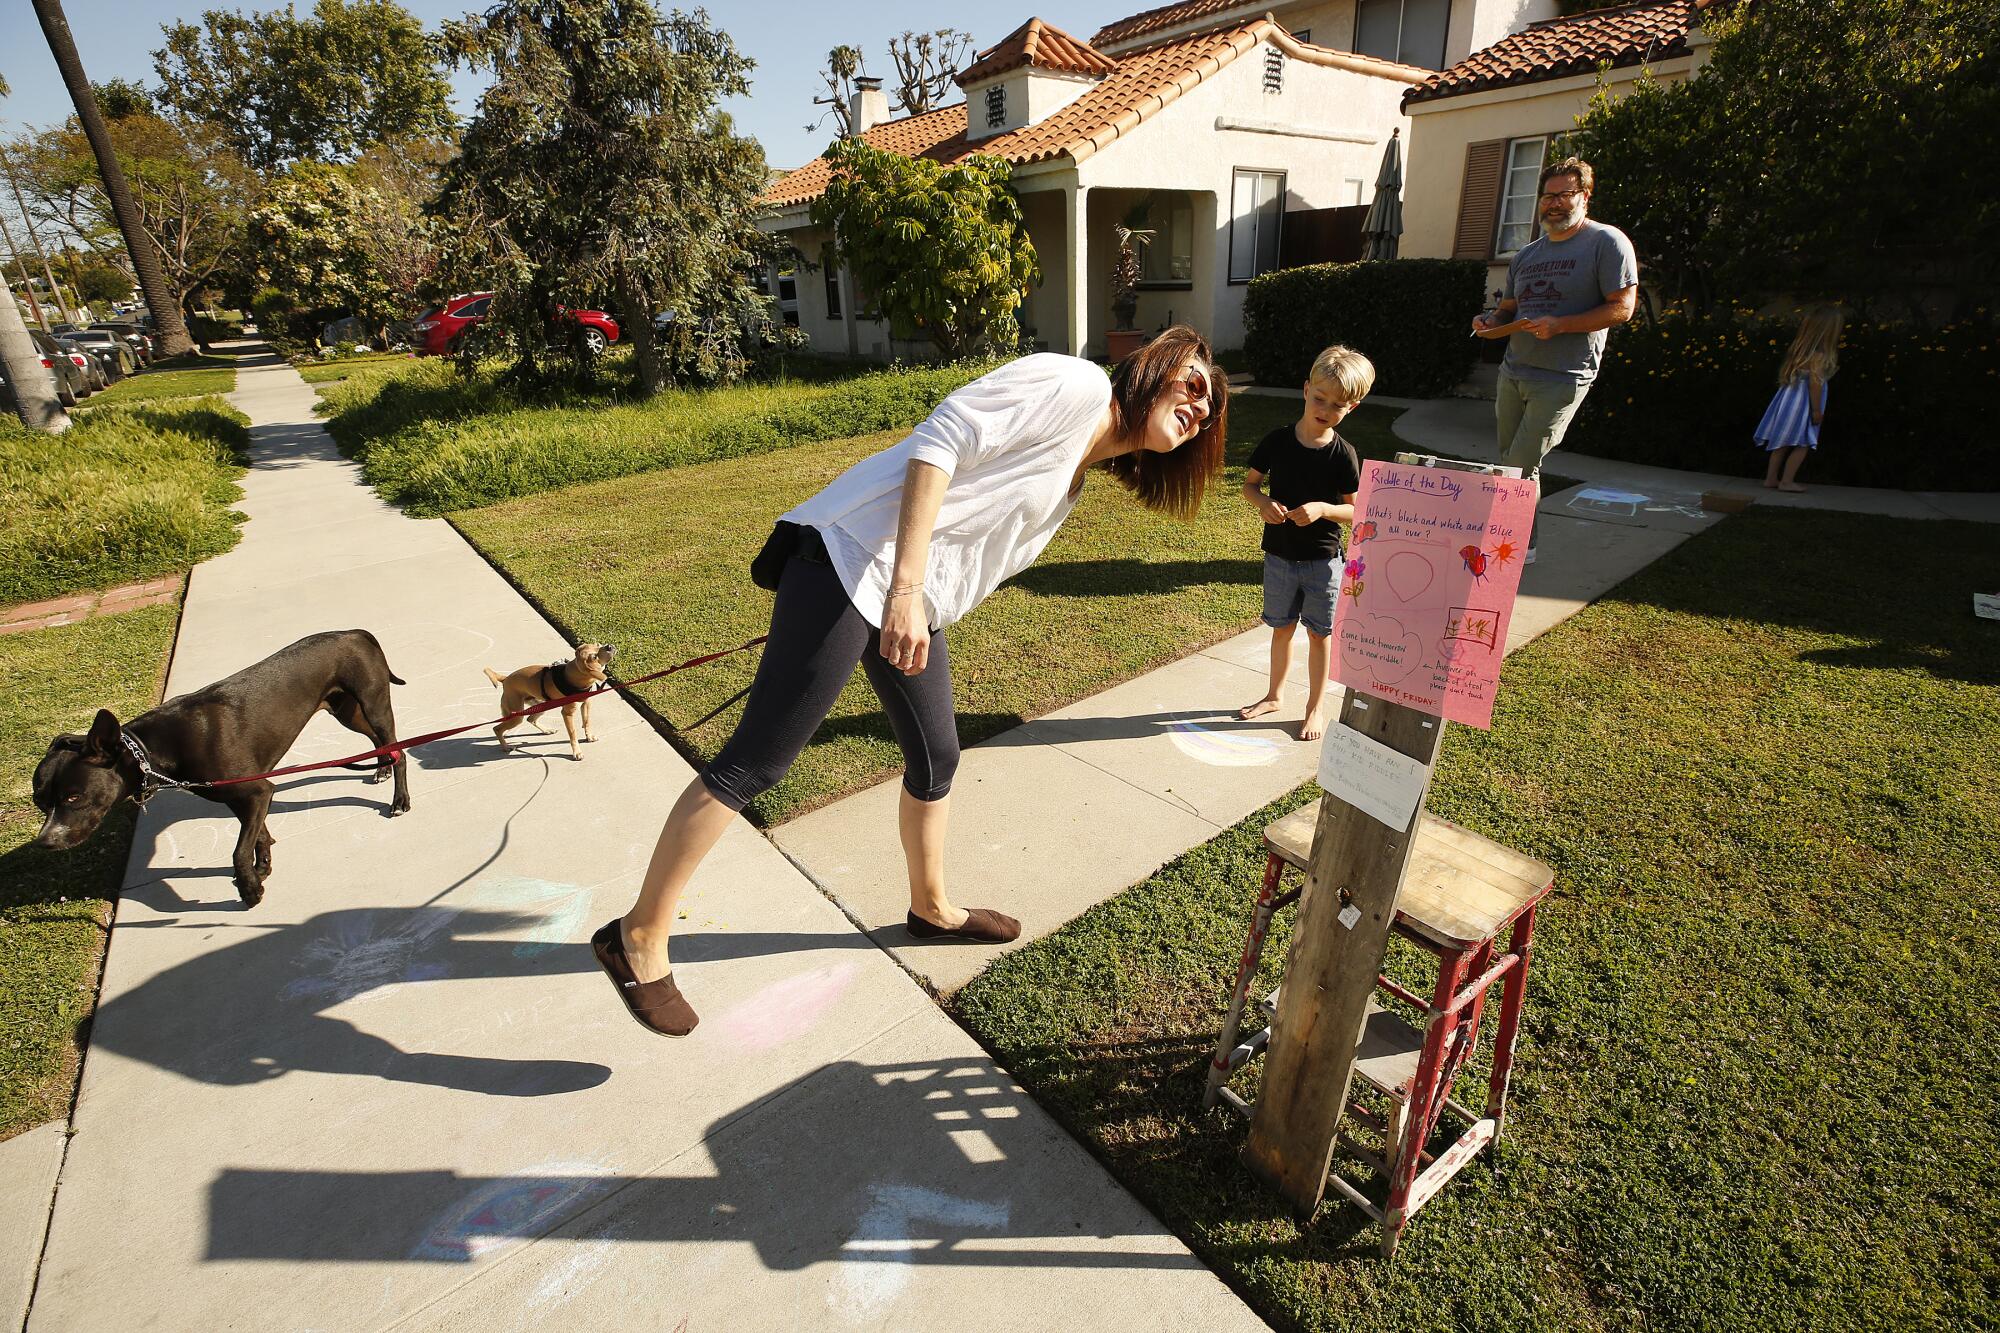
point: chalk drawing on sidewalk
(1222, 749)
(365, 953)
(876, 1259)
(559, 909)
(785, 1009)
(511, 1210)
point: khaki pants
(1533, 416)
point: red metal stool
(1460, 893)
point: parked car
(140, 341)
(94, 372)
(442, 329)
(115, 352)
(71, 385)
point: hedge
(1411, 317)
(126, 493)
(434, 441)
(1910, 407)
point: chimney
(868, 107)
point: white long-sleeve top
(1011, 442)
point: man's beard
(1568, 221)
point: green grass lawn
(658, 565)
(126, 493)
(434, 440)
(1754, 1088)
(55, 906)
(336, 369)
(192, 376)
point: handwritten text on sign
(1428, 588)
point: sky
(788, 39)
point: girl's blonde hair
(1815, 353)
(1351, 374)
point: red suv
(442, 328)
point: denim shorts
(1296, 590)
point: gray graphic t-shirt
(1548, 277)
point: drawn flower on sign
(1475, 561)
(1363, 531)
(1353, 571)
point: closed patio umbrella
(1382, 229)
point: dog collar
(151, 780)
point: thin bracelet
(905, 589)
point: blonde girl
(1790, 428)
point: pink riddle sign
(1428, 587)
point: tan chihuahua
(532, 685)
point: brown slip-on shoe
(658, 1006)
(981, 924)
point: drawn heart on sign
(1379, 648)
(1409, 575)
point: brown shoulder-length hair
(1170, 483)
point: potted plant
(1123, 339)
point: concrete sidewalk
(399, 1092)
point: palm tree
(160, 298)
(34, 396)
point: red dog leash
(425, 739)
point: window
(1169, 260)
(1411, 31)
(1359, 189)
(788, 297)
(1303, 35)
(1518, 187)
(1257, 210)
(830, 265)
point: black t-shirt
(1295, 474)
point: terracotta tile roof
(1159, 20)
(1041, 45)
(1651, 30)
(1142, 83)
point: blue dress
(1788, 422)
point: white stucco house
(1205, 122)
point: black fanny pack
(786, 540)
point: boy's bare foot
(1313, 727)
(1769, 484)
(1791, 486)
(1265, 705)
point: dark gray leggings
(816, 638)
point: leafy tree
(942, 251)
(119, 98)
(320, 88)
(309, 239)
(600, 167)
(402, 243)
(100, 281)
(191, 193)
(160, 300)
(1838, 149)
(925, 64)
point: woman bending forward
(895, 550)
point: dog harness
(555, 682)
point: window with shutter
(1479, 200)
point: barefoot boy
(1313, 475)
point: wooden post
(1356, 861)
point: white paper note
(1371, 777)
(1986, 605)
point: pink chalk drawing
(511, 1211)
(785, 1009)
(1429, 633)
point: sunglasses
(1195, 383)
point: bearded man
(1565, 288)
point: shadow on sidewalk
(1119, 578)
(872, 1167)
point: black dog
(233, 728)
